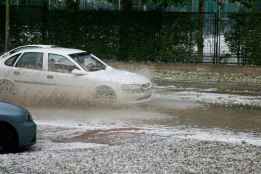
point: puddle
(189, 109)
(108, 136)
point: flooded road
(162, 113)
(167, 108)
(188, 114)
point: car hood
(121, 76)
(7, 109)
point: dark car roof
(10, 109)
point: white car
(72, 73)
(15, 50)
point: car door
(28, 74)
(68, 85)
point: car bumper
(135, 98)
(27, 134)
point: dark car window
(12, 60)
(31, 60)
(59, 63)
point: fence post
(7, 23)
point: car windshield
(88, 62)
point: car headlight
(136, 88)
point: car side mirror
(78, 72)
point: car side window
(12, 60)
(59, 63)
(31, 60)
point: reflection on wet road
(171, 110)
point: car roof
(35, 45)
(55, 50)
(39, 45)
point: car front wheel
(8, 138)
(105, 94)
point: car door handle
(16, 73)
(49, 77)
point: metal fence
(142, 36)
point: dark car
(17, 128)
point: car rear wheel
(105, 94)
(7, 88)
(8, 138)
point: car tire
(7, 88)
(8, 138)
(105, 94)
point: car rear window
(12, 60)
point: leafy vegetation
(135, 36)
(244, 37)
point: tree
(128, 4)
(243, 37)
(246, 3)
(72, 4)
(166, 3)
